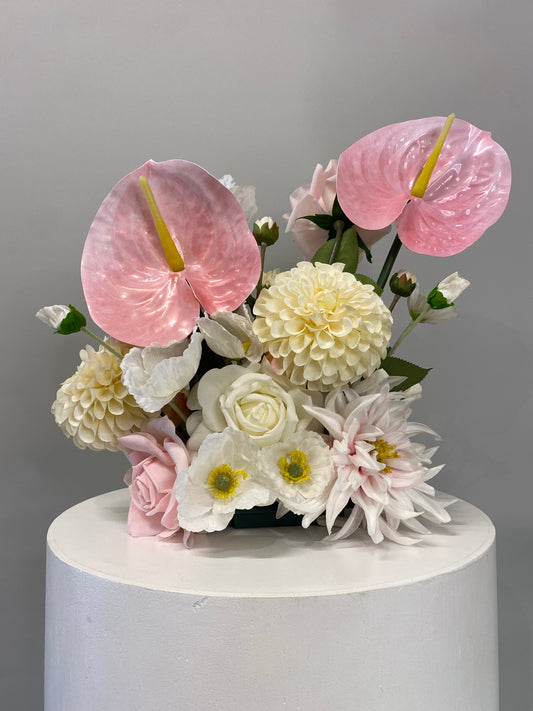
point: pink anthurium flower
(467, 190)
(132, 291)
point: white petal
(53, 315)
(155, 374)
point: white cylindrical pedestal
(268, 619)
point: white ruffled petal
(156, 374)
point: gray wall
(263, 90)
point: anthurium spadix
(444, 181)
(168, 238)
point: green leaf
(437, 300)
(338, 213)
(365, 249)
(412, 373)
(348, 252)
(73, 322)
(367, 280)
(325, 222)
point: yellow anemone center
(223, 481)
(296, 468)
(384, 450)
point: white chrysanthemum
(301, 473)
(326, 327)
(225, 476)
(93, 406)
(379, 469)
(245, 194)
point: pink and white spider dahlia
(379, 469)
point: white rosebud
(402, 283)
(265, 221)
(265, 231)
(417, 303)
(53, 315)
(452, 287)
(447, 291)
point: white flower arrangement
(275, 394)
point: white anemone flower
(225, 476)
(379, 469)
(231, 336)
(301, 474)
(155, 375)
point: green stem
(389, 262)
(260, 282)
(394, 302)
(178, 411)
(339, 227)
(409, 329)
(101, 342)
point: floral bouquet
(249, 398)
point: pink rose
(157, 456)
(318, 198)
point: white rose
(267, 408)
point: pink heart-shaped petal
(468, 190)
(130, 290)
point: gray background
(90, 90)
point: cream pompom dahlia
(325, 327)
(93, 406)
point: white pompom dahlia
(379, 470)
(93, 406)
(326, 328)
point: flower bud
(402, 283)
(265, 231)
(446, 291)
(65, 319)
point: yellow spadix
(173, 257)
(422, 182)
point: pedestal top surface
(266, 562)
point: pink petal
(131, 292)
(468, 190)
(141, 525)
